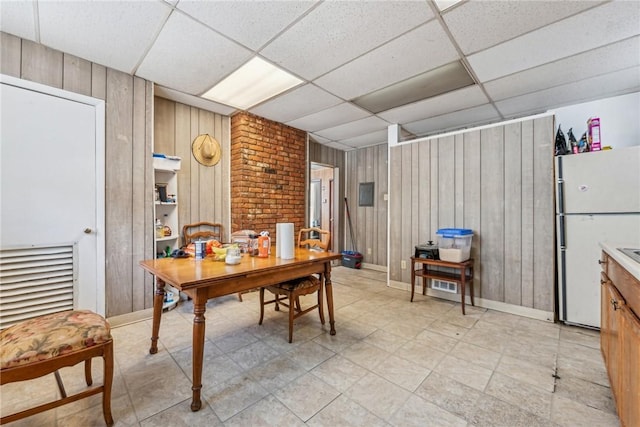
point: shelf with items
(166, 229)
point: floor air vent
(35, 281)
(443, 285)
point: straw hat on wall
(206, 150)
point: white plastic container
(454, 244)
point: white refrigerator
(597, 199)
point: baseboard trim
(480, 302)
(375, 267)
(128, 318)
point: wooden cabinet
(620, 338)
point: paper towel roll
(285, 246)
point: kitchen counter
(611, 248)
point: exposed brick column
(267, 174)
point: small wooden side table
(463, 275)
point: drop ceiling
(523, 57)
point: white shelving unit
(166, 210)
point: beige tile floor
(392, 363)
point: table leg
(199, 307)
(158, 300)
(424, 279)
(471, 284)
(462, 285)
(329, 290)
(413, 279)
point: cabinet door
(605, 309)
(613, 300)
(630, 356)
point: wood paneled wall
(203, 192)
(335, 158)
(369, 222)
(497, 181)
(129, 178)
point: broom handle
(346, 204)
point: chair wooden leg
(261, 306)
(320, 306)
(240, 296)
(87, 372)
(63, 392)
(107, 383)
(277, 305)
(291, 310)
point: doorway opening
(322, 199)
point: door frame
(99, 109)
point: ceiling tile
(338, 31)
(594, 28)
(17, 18)
(477, 25)
(352, 129)
(457, 100)
(339, 146)
(617, 83)
(329, 117)
(199, 57)
(424, 48)
(606, 59)
(368, 139)
(114, 33)
(457, 120)
(294, 104)
(251, 23)
(192, 100)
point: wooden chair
(41, 346)
(205, 230)
(315, 239)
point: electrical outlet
(368, 251)
(403, 264)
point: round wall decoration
(206, 150)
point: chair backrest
(314, 238)
(205, 230)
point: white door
(52, 189)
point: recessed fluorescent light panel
(249, 85)
(435, 82)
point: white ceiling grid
(525, 56)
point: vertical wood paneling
(10, 54)
(543, 221)
(414, 192)
(446, 182)
(380, 246)
(41, 64)
(164, 126)
(119, 194)
(149, 197)
(182, 127)
(527, 237)
(459, 181)
(472, 204)
(406, 230)
(423, 187)
(513, 214)
(139, 229)
(395, 212)
(492, 212)
(77, 75)
(128, 139)
(434, 182)
(194, 171)
(203, 191)
(99, 83)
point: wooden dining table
(207, 278)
